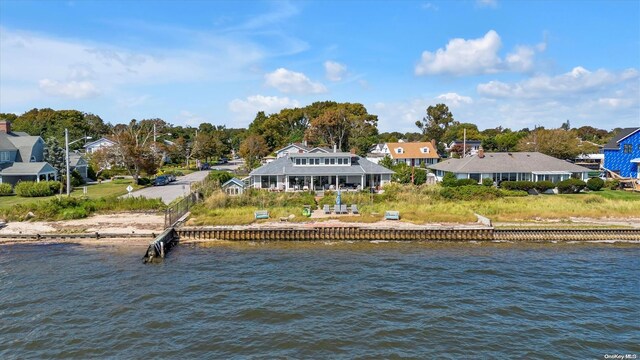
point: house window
(425, 150)
(339, 161)
(399, 150)
(346, 161)
(304, 161)
(4, 156)
(326, 161)
(297, 161)
(333, 161)
(317, 161)
(628, 148)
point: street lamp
(66, 155)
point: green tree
(456, 132)
(561, 144)
(252, 150)
(387, 162)
(54, 155)
(134, 148)
(436, 123)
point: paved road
(171, 191)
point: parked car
(161, 180)
(171, 177)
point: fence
(177, 210)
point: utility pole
(66, 157)
(464, 142)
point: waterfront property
(410, 153)
(22, 157)
(319, 171)
(504, 166)
(622, 153)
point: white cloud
(476, 56)
(429, 6)
(246, 109)
(334, 70)
(454, 100)
(487, 3)
(288, 81)
(190, 119)
(71, 89)
(577, 81)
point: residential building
(410, 153)
(319, 171)
(22, 157)
(471, 146)
(94, 146)
(233, 187)
(622, 153)
(300, 148)
(79, 163)
(506, 166)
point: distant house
(471, 146)
(94, 146)
(300, 148)
(622, 153)
(22, 157)
(79, 163)
(233, 187)
(410, 153)
(503, 166)
(319, 171)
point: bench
(392, 215)
(261, 214)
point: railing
(179, 209)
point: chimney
(353, 151)
(5, 126)
(481, 152)
(305, 143)
(433, 143)
(335, 148)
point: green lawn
(111, 188)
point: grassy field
(94, 191)
(422, 205)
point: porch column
(311, 188)
(286, 183)
(337, 184)
(37, 177)
(362, 182)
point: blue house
(622, 153)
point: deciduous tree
(252, 149)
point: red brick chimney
(5, 126)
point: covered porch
(318, 182)
(28, 172)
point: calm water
(321, 301)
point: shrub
(449, 180)
(487, 182)
(612, 184)
(517, 185)
(571, 186)
(466, 182)
(542, 186)
(220, 177)
(144, 181)
(470, 192)
(595, 184)
(514, 192)
(35, 189)
(76, 179)
(91, 173)
(6, 189)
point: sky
(495, 63)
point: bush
(6, 189)
(220, 177)
(76, 179)
(144, 181)
(466, 182)
(449, 180)
(470, 192)
(517, 185)
(37, 189)
(612, 184)
(542, 186)
(571, 186)
(91, 173)
(487, 182)
(595, 184)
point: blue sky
(494, 63)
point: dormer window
(425, 150)
(399, 150)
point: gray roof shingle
(520, 162)
(284, 166)
(613, 143)
(27, 168)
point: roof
(620, 135)
(411, 150)
(27, 168)
(75, 158)
(102, 139)
(471, 142)
(22, 142)
(296, 145)
(502, 162)
(321, 155)
(284, 166)
(235, 181)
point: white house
(298, 148)
(410, 153)
(94, 146)
(319, 171)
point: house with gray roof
(319, 171)
(507, 166)
(300, 148)
(22, 157)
